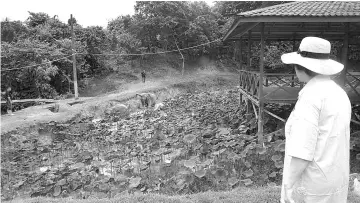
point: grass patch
(238, 195)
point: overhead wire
(163, 52)
(10, 69)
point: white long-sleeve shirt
(318, 130)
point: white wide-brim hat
(313, 54)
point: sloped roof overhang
(287, 27)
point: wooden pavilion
(334, 21)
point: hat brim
(321, 66)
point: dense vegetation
(155, 27)
(200, 141)
(187, 147)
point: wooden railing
(352, 82)
(249, 82)
(281, 81)
(284, 82)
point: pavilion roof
(296, 20)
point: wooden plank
(231, 30)
(275, 116)
(318, 28)
(356, 122)
(240, 30)
(30, 100)
(253, 99)
(253, 105)
(261, 99)
(298, 19)
(277, 101)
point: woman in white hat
(316, 165)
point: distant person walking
(143, 76)
(316, 166)
(7, 97)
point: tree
(120, 24)
(36, 19)
(12, 30)
(42, 39)
(160, 24)
(28, 82)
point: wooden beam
(293, 66)
(249, 97)
(231, 30)
(344, 55)
(301, 32)
(240, 67)
(356, 122)
(253, 105)
(300, 19)
(296, 29)
(288, 38)
(242, 29)
(312, 26)
(261, 98)
(76, 92)
(275, 116)
(249, 51)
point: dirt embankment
(94, 106)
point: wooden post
(261, 99)
(292, 77)
(73, 57)
(182, 57)
(248, 108)
(240, 67)
(240, 53)
(344, 55)
(235, 50)
(249, 51)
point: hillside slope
(123, 84)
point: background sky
(87, 13)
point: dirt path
(40, 114)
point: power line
(10, 69)
(115, 55)
(163, 52)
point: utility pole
(73, 57)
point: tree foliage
(155, 27)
